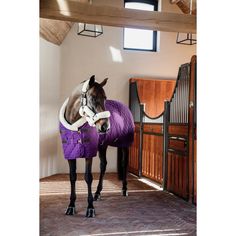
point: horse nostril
(104, 127)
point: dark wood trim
(192, 110)
(140, 142)
(152, 133)
(165, 143)
(179, 152)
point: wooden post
(166, 120)
(192, 124)
(140, 142)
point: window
(139, 39)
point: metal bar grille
(180, 100)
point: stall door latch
(191, 104)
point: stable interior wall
(104, 56)
(49, 105)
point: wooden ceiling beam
(75, 11)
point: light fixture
(186, 39)
(189, 38)
(89, 30)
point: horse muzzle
(103, 126)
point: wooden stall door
(180, 151)
(134, 152)
(152, 152)
(148, 161)
(177, 181)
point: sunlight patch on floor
(164, 232)
(63, 187)
(150, 183)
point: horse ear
(91, 80)
(104, 82)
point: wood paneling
(152, 154)
(177, 175)
(175, 129)
(185, 6)
(177, 179)
(177, 145)
(75, 11)
(134, 154)
(54, 31)
(153, 128)
(153, 93)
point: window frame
(154, 35)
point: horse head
(93, 104)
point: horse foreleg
(103, 165)
(89, 179)
(73, 176)
(125, 161)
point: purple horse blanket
(87, 141)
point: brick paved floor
(146, 211)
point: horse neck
(73, 105)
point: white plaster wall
(49, 105)
(82, 57)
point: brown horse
(89, 123)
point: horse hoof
(125, 193)
(70, 211)
(97, 196)
(90, 213)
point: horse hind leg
(123, 160)
(73, 177)
(103, 164)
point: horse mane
(73, 105)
